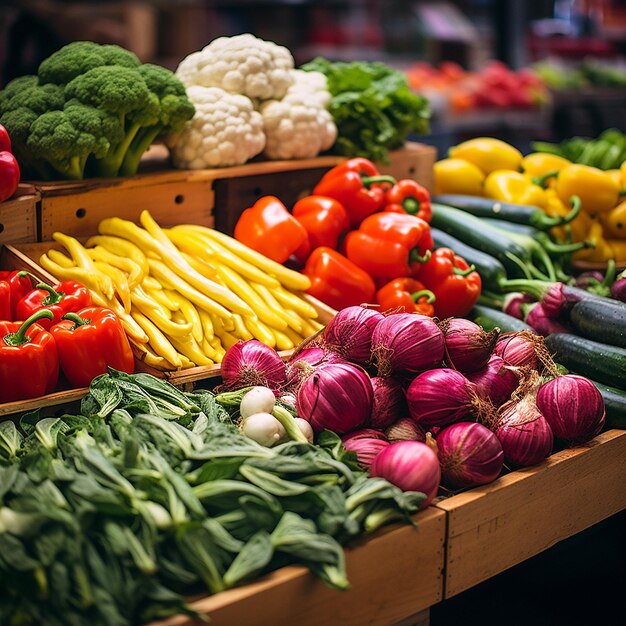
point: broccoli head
(13, 87)
(79, 57)
(174, 109)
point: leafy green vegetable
(372, 105)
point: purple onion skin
(495, 382)
(406, 344)
(573, 407)
(411, 466)
(618, 290)
(302, 364)
(389, 402)
(468, 346)
(518, 350)
(470, 454)
(439, 397)
(539, 320)
(367, 443)
(524, 433)
(250, 363)
(337, 397)
(405, 429)
(349, 333)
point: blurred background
(549, 69)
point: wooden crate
(212, 197)
(18, 215)
(394, 575)
(494, 527)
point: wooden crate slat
(394, 574)
(18, 215)
(494, 527)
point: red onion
(411, 466)
(303, 362)
(389, 402)
(405, 429)
(407, 343)
(523, 349)
(470, 454)
(367, 443)
(441, 396)
(349, 333)
(468, 346)
(573, 407)
(618, 288)
(496, 381)
(524, 433)
(250, 363)
(337, 397)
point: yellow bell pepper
(622, 169)
(614, 221)
(602, 250)
(509, 186)
(619, 249)
(458, 176)
(488, 154)
(616, 175)
(597, 190)
(539, 164)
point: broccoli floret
(118, 91)
(79, 57)
(38, 98)
(13, 87)
(174, 109)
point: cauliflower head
(243, 64)
(299, 126)
(225, 130)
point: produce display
(363, 237)
(559, 75)
(185, 294)
(551, 185)
(495, 86)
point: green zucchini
(490, 318)
(517, 213)
(614, 404)
(600, 320)
(515, 251)
(598, 361)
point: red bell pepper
(20, 284)
(388, 245)
(270, 229)
(356, 184)
(29, 365)
(456, 284)
(408, 196)
(408, 294)
(5, 141)
(337, 281)
(9, 175)
(324, 219)
(65, 297)
(90, 341)
(5, 302)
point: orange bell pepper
(270, 229)
(408, 294)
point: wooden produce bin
(18, 216)
(211, 197)
(395, 575)
(494, 527)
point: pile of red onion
(382, 382)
